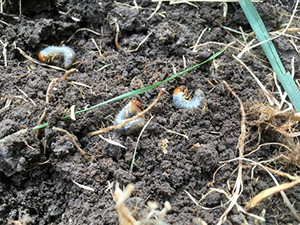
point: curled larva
(130, 110)
(182, 98)
(47, 54)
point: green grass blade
(132, 93)
(261, 33)
(142, 90)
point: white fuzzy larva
(129, 111)
(47, 53)
(181, 98)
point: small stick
(83, 29)
(1, 21)
(198, 40)
(39, 122)
(99, 50)
(268, 95)
(82, 152)
(4, 52)
(104, 130)
(140, 44)
(117, 34)
(47, 101)
(36, 61)
(1, 6)
(137, 142)
(281, 173)
(49, 89)
(68, 72)
(32, 148)
(23, 75)
(7, 104)
(174, 132)
(124, 215)
(289, 115)
(156, 9)
(26, 96)
(238, 187)
(269, 192)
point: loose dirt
(37, 172)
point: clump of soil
(37, 170)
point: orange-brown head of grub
(43, 58)
(136, 104)
(179, 89)
(134, 108)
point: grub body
(182, 99)
(130, 110)
(50, 52)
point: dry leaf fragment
(268, 192)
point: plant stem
(262, 35)
(132, 93)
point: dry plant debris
(104, 130)
(269, 192)
(281, 123)
(238, 187)
(164, 145)
(153, 216)
(82, 152)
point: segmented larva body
(182, 98)
(47, 54)
(130, 110)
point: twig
(7, 104)
(83, 186)
(238, 187)
(156, 9)
(4, 52)
(135, 4)
(281, 173)
(124, 215)
(40, 122)
(83, 29)
(269, 96)
(104, 130)
(50, 86)
(1, 21)
(137, 142)
(117, 34)
(270, 39)
(26, 96)
(112, 142)
(1, 5)
(269, 192)
(20, 7)
(99, 50)
(285, 198)
(140, 44)
(82, 152)
(36, 61)
(68, 72)
(23, 75)
(174, 132)
(198, 40)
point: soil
(37, 172)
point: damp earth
(182, 155)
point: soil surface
(180, 149)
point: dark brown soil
(36, 173)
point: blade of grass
(132, 93)
(262, 35)
(139, 91)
